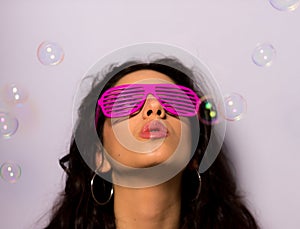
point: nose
(153, 108)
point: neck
(149, 208)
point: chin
(155, 158)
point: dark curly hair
(218, 206)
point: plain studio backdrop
(223, 34)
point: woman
(158, 133)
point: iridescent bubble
(50, 53)
(208, 111)
(285, 5)
(263, 55)
(10, 172)
(15, 94)
(235, 107)
(8, 125)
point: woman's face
(150, 136)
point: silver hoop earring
(92, 191)
(199, 185)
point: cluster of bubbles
(48, 53)
(13, 95)
(263, 55)
(9, 124)
(10, 172)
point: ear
(102, 163)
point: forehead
(144, 76)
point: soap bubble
(263, 55)
(208, 111)
(235, 107)
(50, 53)
(15, 94)
(285, 5)
(10, 172)
(8, 125)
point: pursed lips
(154, 130)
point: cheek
(177, 127)
(180, 128)
(183, 135)
(120, 147)
(110, 142)
(118, 140)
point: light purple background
(223, 34)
